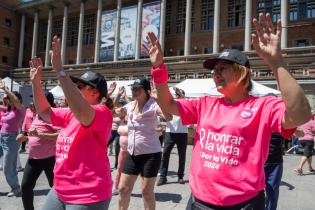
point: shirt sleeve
(276, 109)
(188, 110)
(60, 117)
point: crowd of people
(230, 169)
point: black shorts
(146, 165)
(256, 203)
(308, 147)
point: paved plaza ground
(296, 192)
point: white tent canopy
(8, 81)
(202, 87)
(57, 92)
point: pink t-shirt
(308, 129)
(82, 170)
(28, 119)
(231, 145)
(12, 120)
(40, 148)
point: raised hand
(2, 85)
(267, 40)
(111, 88)
(122, 91)
(55, 54)
(36, 66)
(154, 50)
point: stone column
(139, 29)
(80, 35)
(48, 40)
(248, 25)
(117, 31)
(98, 31)
(35, 34)
(162, 23)
(64, 32)
(216, 27)
(187, 28)
(21, 46)
(284, 20)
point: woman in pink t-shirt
(307, 141)
(12, 118)
(42, 147)
(233, 132)
(82, 178)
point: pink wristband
(159, 74)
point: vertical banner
(150, 23)
(128, 28)
(108, 35)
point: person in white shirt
(176, 133)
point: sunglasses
(135, 88)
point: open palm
(154, 50)
(36, 66)
(267, 40)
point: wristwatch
(61, 73)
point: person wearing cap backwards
(82, 178)
(144, 148)
(233, 132)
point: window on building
(5, 59)
(301, 10)
(42, 37)
(89, 30)
(208, 50)
(236, 13)
(168, 17)
(207, 14)
(192, 15)
(180, 52)
(180, 16)
(57, 28)
(301, 43)
(6, 41)
(272, 7)
(8, 22)
(72, 35)
(238, 47)
(70, 62)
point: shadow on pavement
(163, 197)
(291, 187)
(41, 192)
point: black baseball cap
(95, 80)
(142, 82)
(232, 55)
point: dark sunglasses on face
(135, 88)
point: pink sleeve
(60, 117)
(103, 118)
(276, 109)
(188, 110)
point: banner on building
(108, 35)
(128, 27)
(150, 23)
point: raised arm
(42, 106)
(267, 45)
(79, 106)
(160, 76)
(13, 98)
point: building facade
(190, 31)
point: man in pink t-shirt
(233, 132)
(307, 141)
(82, 178)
